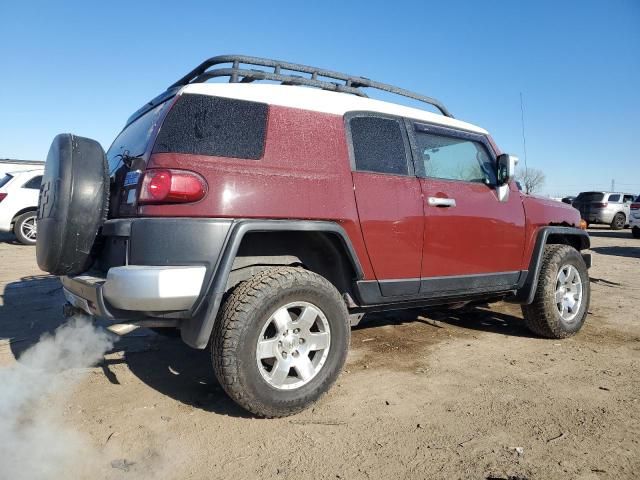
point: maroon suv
(264, 216)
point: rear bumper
(136, 288)
(153, 267)
(597, 217)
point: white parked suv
(634, 218)
(19, 203)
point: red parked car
(263, 219)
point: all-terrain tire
(542, 316)
(618, 222)
(20, 225)
(635, 232)
(238, 327)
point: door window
(453, 158)
(628, 198)
(378, 145)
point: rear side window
(378, 145)
(34, 183)
(614, 198)
(453, 158)
(215, 126)
(628, 198)
(4, 180)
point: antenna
(524, 139)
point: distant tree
(531, 179)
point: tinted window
(134, 138)
(4, 180)
(215, 126)
(590, 197)
(628, 198)
(614, 198)
(378, 145)
(453, 158)
(34, 183)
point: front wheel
(25, 228)
(280, 341)
(560, 305)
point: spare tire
(73, 204)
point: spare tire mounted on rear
(73, 204)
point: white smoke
(34, 444)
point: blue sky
(83, 67)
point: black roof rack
(287, 74)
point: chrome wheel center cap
(290, 342)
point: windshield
(590, 197)
(4, 180)
(134, 138)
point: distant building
(11, 165)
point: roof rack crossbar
(319, 78)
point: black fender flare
(527, 292)
(196, 330)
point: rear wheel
(560, 305)
(635, 232)
(280, 341)
(618, 221)
(25, 228)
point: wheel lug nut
(284, 354)
(296, 331)
(301, 341)
(295, 353)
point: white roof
(319, 100)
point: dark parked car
(568, 200)
(262, 220)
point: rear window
(214, 126)
(590, 197)
(4, 180)
(133, 140)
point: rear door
(472, 241)
(389, 201)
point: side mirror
(506, 171)
(506, 168)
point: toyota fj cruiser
(264, 216)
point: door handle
(441, 202)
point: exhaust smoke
(33, 441)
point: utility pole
(613, 184)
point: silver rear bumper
(137, 288)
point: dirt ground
(462, 394)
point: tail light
(634, 206)
(3, 196)
(600, 204)
(171, 186)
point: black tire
(242, 317)
(542, 316)
(635, 232)
(73, 204)
(20, 225)
(618, 222)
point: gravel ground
(465, 394)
